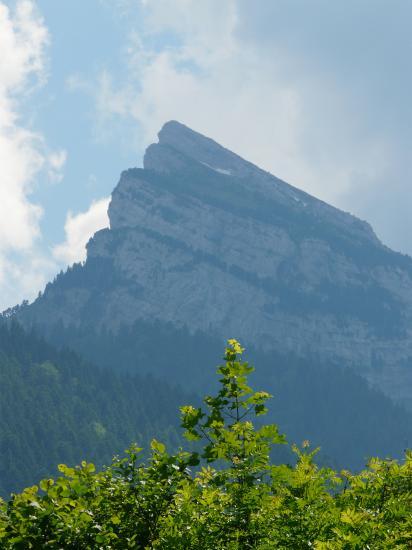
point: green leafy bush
(225, 495)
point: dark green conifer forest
(55, 407)
(314, 399)
(226, 494)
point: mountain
(202, 239)
(56, 408)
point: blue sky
(317, 92)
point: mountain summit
(201, 238)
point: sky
(314, 91)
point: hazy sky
(317, 92)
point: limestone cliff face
(202, 238)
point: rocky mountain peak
(201, 238)
(182, 150)
(178, 138)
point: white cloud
(23, 38)
(21, 279)
(23, 153)
(79, 228)
(56, 161)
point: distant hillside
(203, 239)
(56, 408)
(331, 406)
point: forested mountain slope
(241, 500)
(204, 239)
(331, 406)
(55, 407)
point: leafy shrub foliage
(226, 494)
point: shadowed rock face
(202, 238)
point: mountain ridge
(205, 150)
(201, 238)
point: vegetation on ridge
(227, 495)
